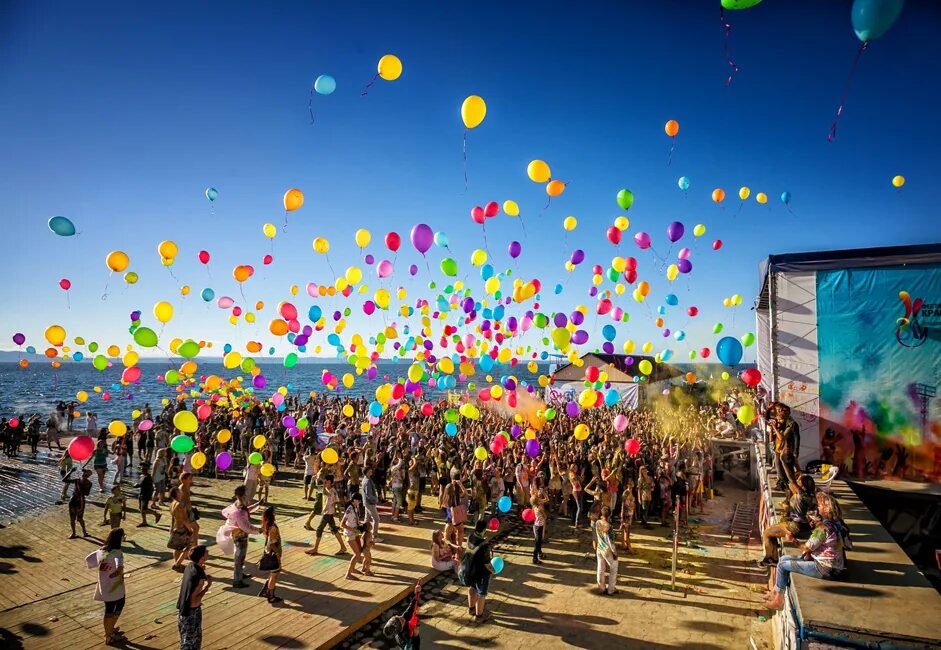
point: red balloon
(65, 284)
(632, 446)
(692, 311)
(427, 409)
(491, 209)
(81, 448)
(478, 214)
(630, 263)
(130, 375)
(614, 235)
(592, 373)
(705, 352)
(717, 244)
(14, 422)
(751, 377)
(484, 395)
(204, 257)
(393, 241)
(529, 516)
(267, 259)
(398, 391)
(630, 276)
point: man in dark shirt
(193, 587)
(679, 492)
(146, 495)
(479, 578)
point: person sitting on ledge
(793, 521)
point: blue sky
(119, 115)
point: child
(115, 508)
(146, 486)
(81, 489)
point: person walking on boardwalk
(371, 502)
(233, 534)
(189, 604)
(327, 517)
(109, 560)
(606, 554)
(80, 491)
(271, 559)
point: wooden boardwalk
(46, 600)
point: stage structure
(623, 375)
(851, 341)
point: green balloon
(541, 320)
(100, 362)
(247, 364)
(717, 328)
(92, 347)
(748, 339)
(739, 4)
(451, 415)
(145, 337)
(449, 267)
(302, 423)
(290, 360)
(625, 199)
(188, 349)
(613, 275)
(550, 414)
(171, 377)
(255, 458)
(182, 444)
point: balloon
(582, 431)
(675, 231)
(511, 208)
(729, 350)
(197, 460)
(329, 456)
(538, 171)
(269, 230)
(504, 503)
(390, 67)
(186, 422)
(55, 334)
(532, 448)
(898, 181)
(625, 199)
(422, 237)
(645, 366)
(743, 193)
(255, 458)
(117, 428)
(19, 338)
(497, 564)
(362, 237)
(748, 339)
(717, 244)
(145, 337)
(785, 198)
(449, 267)
(325, 84)
(204, 257)
(672, 127)
(642, 240)
(632, 446)
(182, 444)
(569, 223)
(212, 193)
(480, 453)
(384, 269)
(163, 311)
(514, 249)
(745, 414)
(751, 377)
(555, 188)
(267, 470)
(718, 195)
(473, 111)
(683, 183)
(207, 294)
(223, 460)
(293, 199)
(81, 448)
(321, 245)
(761, 197)
(117, 261)
(528, 516)
(167, 250)
(620, 422)
(441, 240)
(62, 226)
(699, 230)
(873, 18)
(739, 4)
(614, 235)
(393, 241)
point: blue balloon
(441, 240)
(729, 350)
(451, 429)
(612, 397)
(683, 182)
(375, 409)
(873, 18)
(785, 197)
(325, 84)
(212, 193)
(671, 300)
(77, 356)
(504, 504)
(679, 335)
(333, 339)
(497, 564)
(208, 294)
(62, 226)
(486, 272)
(608, 332)
(558, 289)
(666, 354)
(661, 310)
(314, 313)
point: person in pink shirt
(232, 536)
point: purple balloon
(532, 448)
(369, 259)
(515, 248)
(666, 332)
(608, 347)
(577, 317)
(287, 421)
(19, 338)
(259, 381)
(512, 324)
(422, 237)
(675, 231)
(467, 305)
(223, 460)
(301, 339)
(571, 410)
(515, 431)
(579, 337)
(685, 266)
(413, 269)
(372, 373)
(559, 320)
(510, 383)
(578, 256)
(629, 361)
(642, 240)
(294, 432)
(593, 291)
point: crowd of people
(656, 469)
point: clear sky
(119, 115)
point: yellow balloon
(496, 392)
(348, 410)
(267, 470)
(898, 181)
(761, 197)
(479, 257)
(672, 271)
(293, 199)
(321, 245)
(232, 360)
(647, 347)
(113, 350)
(353, 275)
(185, 421)
(130, 359)
(259, 441)
(270, 230)
(446, 366)
(224, 436)
(163, 311)
(362, 237)
(569, 223)
(511, 208)
(619, 264)
(743, 193)
(81, 396)
(737, 299)
(645, 366)
(167, 249)
(382, 298)
(473, 111)
(699, 230)
(492, 285)
(582, 431)
(117, 428)
(329, 456)
(117, 261)
(185, 290)
(55, 334)
(131, 277)
(197, 460)
(390, 67)
(538, 171)
(622, 223)
(629, 347)
(167, 261)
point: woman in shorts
(350, 525)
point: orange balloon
(52, 353)
(643, 288)
(293, 199)
(691, 377)
(555, 188)
(24, 363)
(718, 195)
(253, 346)
(242, 272)
(278, 327)
(672, 127)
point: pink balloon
(642, 240)
(684, 253)
(81, 448)
(369, 307)
(145, 425)
(620, 422)
(225, 302)
(277, 399)
(384, 269)
(130, 375)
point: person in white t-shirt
(109, 560)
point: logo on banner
(910, 331)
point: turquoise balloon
(683, 183)
(497, 564)
(325, 84)
(62, 226)
(212, 193)
(441, 240)
(208, 294)
(504, 504)
(873, 18)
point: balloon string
(672, 148)
(523, 224)
(68, 301)
(728, 54)
(310, 102)
(368, 86)
(846, 89)
(465, 160)
(104, 296)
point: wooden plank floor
(47, 594)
